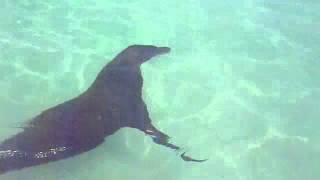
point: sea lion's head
(138, 54)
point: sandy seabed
(240, 86)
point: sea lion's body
(113, 101)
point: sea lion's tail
(8, 159)
(3, 161)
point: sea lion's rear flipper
(188, 158)
(160, 137)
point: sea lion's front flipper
(163, 139)
(160, 137)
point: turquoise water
(240, 86)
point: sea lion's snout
(148, 52)
(163, 50)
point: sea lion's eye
(114, 108)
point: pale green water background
(241, 85)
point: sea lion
(78, 125)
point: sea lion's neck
(125, 61)
(116, 69)
(118, 75)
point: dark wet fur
(113, 101)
